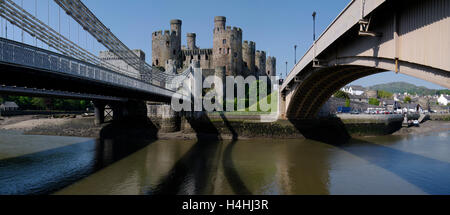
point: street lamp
(295, 54)
(286, 70)
(315, 61)
(314, 25)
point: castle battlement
(258, 52)
(165, 35)
(229, 30)
(187, 52)
(251, 44)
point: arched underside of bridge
(317, 86)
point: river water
(415, 164)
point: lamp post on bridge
(314, 25)
(295, 54)
(286, 71)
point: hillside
(401, 87)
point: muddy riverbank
(215, 129)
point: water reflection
(50, 170)
(429, 174)
(193, 173)
(379, 165)
(230, 172)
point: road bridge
(368, 37)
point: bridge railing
(13, 52)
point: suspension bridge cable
(35, 15)
(48, 20)
(59, 25)
(1, 22)
(22, 29)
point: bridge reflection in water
(381, 165)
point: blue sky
(275, 25)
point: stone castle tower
(227, 46)
(168, 45)
(271, 66)
(190, 39)
(248, 56)
(260, 62)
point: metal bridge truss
(36, 28)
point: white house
(443, 100)
(354, 90)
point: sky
(275, 25)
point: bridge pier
(129, 110)
(162, 114)
(99, 109)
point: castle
(237, 57)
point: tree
(347, 102)
(407, 99)
(38, 103)
(374, 101)
(341, 94)
(384, 94)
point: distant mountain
(401, 87)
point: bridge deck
(18, 59)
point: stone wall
(205, 56)
(111, 58)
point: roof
(389, 102)
(350, 96)
(9, 105)
(357, 87)
(412, 106)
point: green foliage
(347, 102)
(36, 103)
(407, 99)
(446, 91)
(374, 101)
(341, 94)
(1, 100)
(39, 103)
(384, 94)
